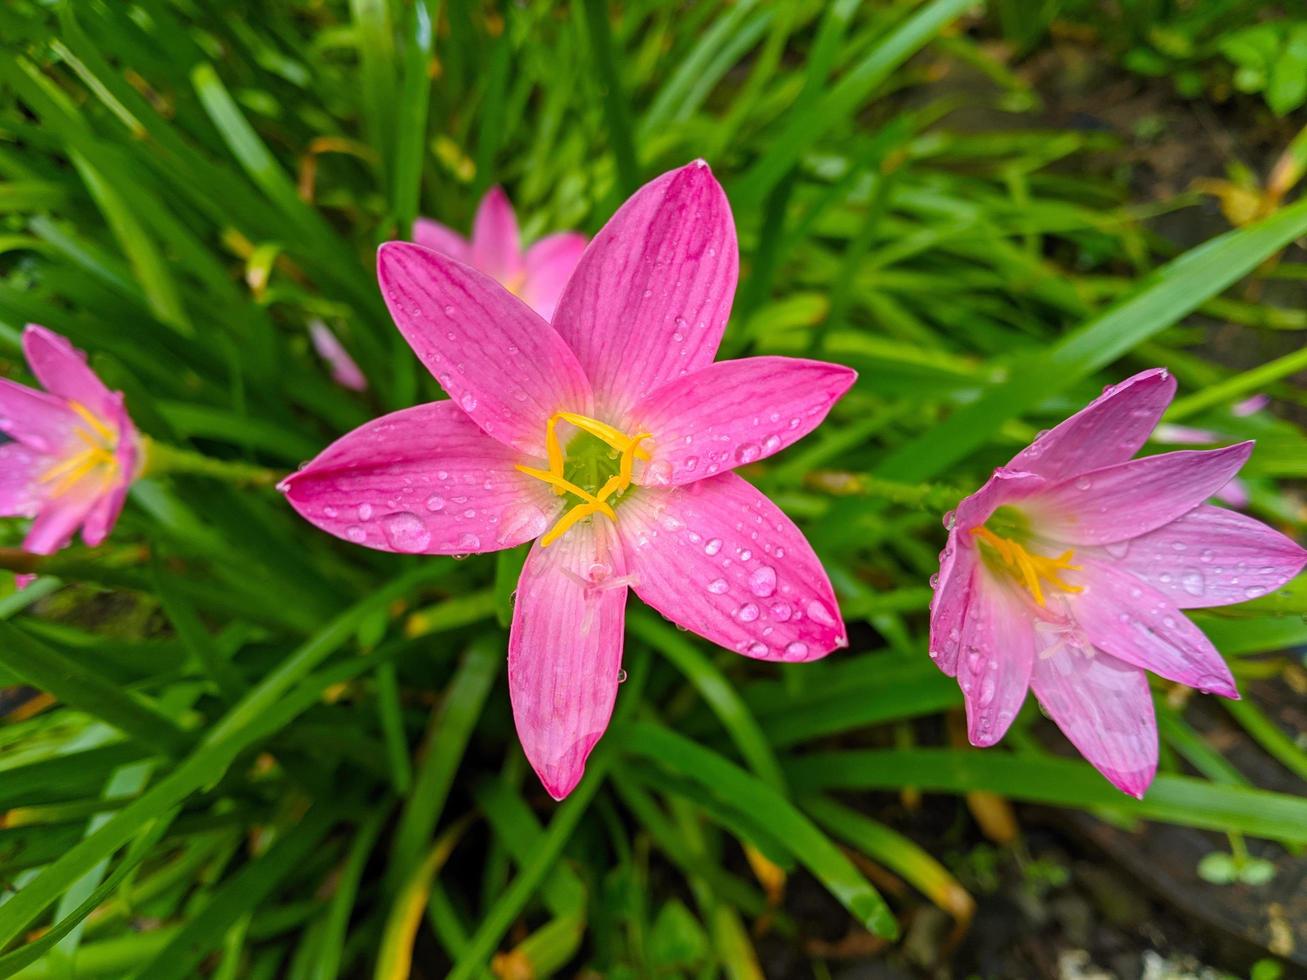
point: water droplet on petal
(435, 503)
(748, 452)
(406, 532)
(717, 586)
(762, 582)
(521, 522)
(781, 612)
(356, 534)
(1193, 582)
(713, 546)
(819, 612)
(469, 542)
(469, 402)
(365, 512)
(796, 650)
(747, 613)
(621, 676)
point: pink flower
(344, 371)
(610, 439)
(73, 451)
(537, 275)
(1067, 571)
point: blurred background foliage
(234, 747)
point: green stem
(928, 496)
(163, 458)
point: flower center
(1027, 568)
(98, 455)
(595, 469)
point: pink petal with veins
(720, 559)
(652, 294)
(499, 362)
(565, 650)
(732, 413)
(424, 480)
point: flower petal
(62, 369)
(1103, 706)
(720, 559)
(439, 238)
(1134, 622)
(497, 359)
(57, 522)
(948, 606)
(550, 262)
(998, 650)
(20, 473)
(1120, 502)
(565, 650)
(734, 412)
(422, 480)
(496, 246)
(344, 369)
(1211, 557)
(38, 420)
(1110, 429)
(652, 294)
(104, 513)
(1003, 487)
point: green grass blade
(1175, 799)
(808, 844)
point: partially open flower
(1067, 571)
(609, 439)
(73, 451)
(536, 274)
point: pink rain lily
(73, 452)
(1068, 570)
(344, 370)
(609, 439)
(536, 274)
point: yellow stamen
(628, 446)
(97, 424)
(1031, 568)
(563, 485)
(99, 455)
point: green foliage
(274, 754)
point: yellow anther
(1031, 568)
(566, 486)
(97, 425)
(100, 442)
(628, 446)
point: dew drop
(365, 512)
(762, 582)
(1192, 582)
(717, 586)
(469, 542)
(747, 613)
(797, 650)
(521, 522)
(406, 532)
(621, 676)
(356, 534)
(713, 546)
(819, 612)
(781, 612)
(469, 402)
(748, 452)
